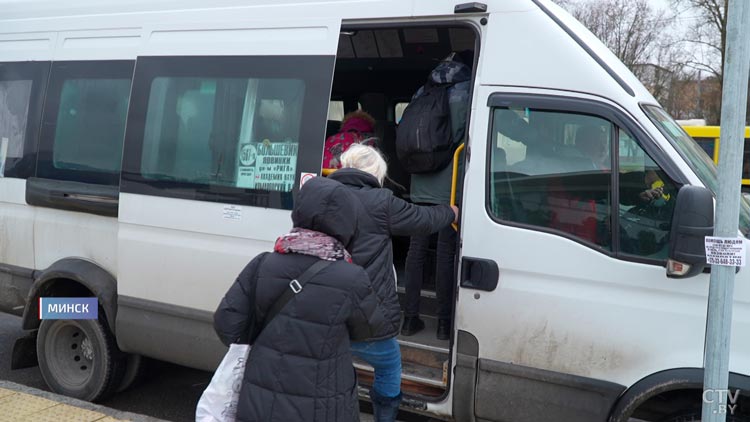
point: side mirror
(693, 220)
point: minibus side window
(552, 170)
(84, 122)
(647, 198)
(238, 130)
(335, 110)
(15, 97)
(223, 131)
(399, 111)
(21, 97)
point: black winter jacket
(300, 366)
(380, 216)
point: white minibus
(150, 148)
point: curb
(34, 404)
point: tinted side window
(21, 97)
(647, 198)
(552, 170)
(223, 131)
(84, 121)
(555, 170)
(226, 129)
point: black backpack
(423, 138)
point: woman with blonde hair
(381, 215)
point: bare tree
(707, 33)
(706, 37)
(639, 35)
(629, 28)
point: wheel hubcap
(88, 349)
(70, 354)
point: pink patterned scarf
(310, 242)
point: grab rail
(454, 180)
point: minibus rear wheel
(79, 358)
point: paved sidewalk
(19, 403)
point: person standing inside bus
(381, 216)
(435, 188)
(300, 365)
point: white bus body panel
(16, 224)
(186, 253)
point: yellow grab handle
(327, 172)
(454, 180)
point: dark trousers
(444, 272)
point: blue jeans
(385, 357)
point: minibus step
(427, 303)
(412, 373)
(427, 338)
(424, 361)
(415, 379)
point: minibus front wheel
(79, 358)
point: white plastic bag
(218, 403)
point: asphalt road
(166, 391)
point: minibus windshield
(702, 164)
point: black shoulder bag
(295, 286)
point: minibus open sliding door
(225, 120)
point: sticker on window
(305, 177)
(232, 212)
(267, 166)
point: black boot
(444, 329)
(412, 325)
(384, 409)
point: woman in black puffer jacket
(381, 216)
(300, 365)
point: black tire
(134, 368)
(79, 358)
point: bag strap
(254, 298)
(295, 286)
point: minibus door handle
(479, 273)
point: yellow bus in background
(708, 138)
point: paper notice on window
(267, 166)
(232, 212)
(728, 251)
(3, 155)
